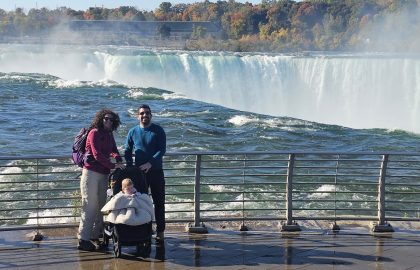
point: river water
(48, 93)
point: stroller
(127, 235)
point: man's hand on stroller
(145, 167)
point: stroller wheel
(117, 250)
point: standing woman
(100, 145)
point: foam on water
(326, 188)
(33, 220)
(240, 120)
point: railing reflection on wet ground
(43, 191)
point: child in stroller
(129, 213)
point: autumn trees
(274, 25)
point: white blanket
(133, 210)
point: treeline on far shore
(272, 25)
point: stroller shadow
(155, 254)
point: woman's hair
(98, 120)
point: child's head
(127, 186)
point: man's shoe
(160, 237)
(85, 245)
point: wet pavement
(222, 249)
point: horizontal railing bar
(403, 168)
(337, 183)
(179, 202)
(250, 153)
(334, 167)
(242, 184)
(332, 209)
(337, 192)
(239, 175)
(388, 201)
(35, 173)
(390, 218)
(402, 192)
(403, 184)
(179, 185)
(179, 211)
(179, 176)
(242, 201)
(39, 208)
(403, 176)
(241, 192)
(242, 167)
(361, 160)
(258, 160)
(208, 219)
(39, 190)
(337, 201)
(40, 199)
(38, 182)
(336, 175)
(40, 226)
(180, 193)
(405, 210)
(242, 209)
(179, 161)
(38, 217)
(242, 160)
(359, 218)
(404, 161)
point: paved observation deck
(223, 249)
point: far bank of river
(175, 43)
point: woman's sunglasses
(109, 119)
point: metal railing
(43, 191)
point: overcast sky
(9, 5)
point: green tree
(165, 7)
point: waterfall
(358, 91)
(352, 91)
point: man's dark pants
(156, 181)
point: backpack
(79, 145)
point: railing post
(197, 227)
(290, 224)
(37, 236)
(243, 227)
(382, 225)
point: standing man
(148, 140)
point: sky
(148, 5)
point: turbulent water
(210, 101)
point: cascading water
(359, 91)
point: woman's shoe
(85, 245)
(99, 245)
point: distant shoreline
(148, 43)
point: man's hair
(144, 106)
